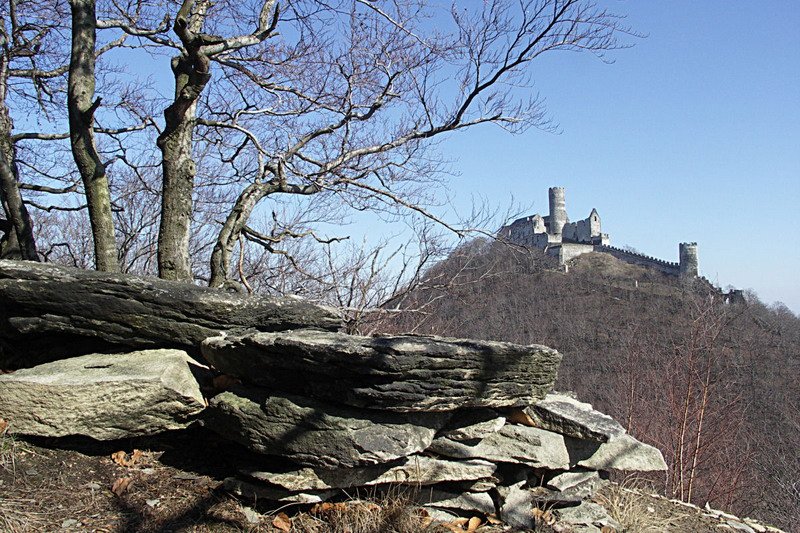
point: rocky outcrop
(103, 396)
(472, 425)
(49, 312)
(391, 373)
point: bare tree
(82, 106)
(27, 28)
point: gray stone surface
(50, 312)
(103, 396)
(570, 479)
(587, 513)
(258, 491)
(472, 425)
(512, 444)
(415, 470)
(318, 434)
(566, 415)
(619, 453)
(478, 502)
(397, 373)
(516, 506)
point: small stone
(70, 523)
(571, 479)
(588, 514)
(257, 492)
(93, 486)
(252, 517)
(153, 503)
(479, 502)
(739, 526)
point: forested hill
(713, 385)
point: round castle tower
(688, 260)
(558, 210)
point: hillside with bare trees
(713, 385)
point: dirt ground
(173, 483)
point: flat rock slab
(566, 415)
(623, 453)
(103, 396)
(257, 491)
(476, 502)
(512, 444)
(516, 506)
(314, 433)
(396, 373)
(50, 312)
(417, 470)
(472, 424)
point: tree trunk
(232, 229)
(81, 119)
(191, 72)
(19, 241)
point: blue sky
(691, 135)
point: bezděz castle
(560, 238)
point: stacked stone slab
(468, 427)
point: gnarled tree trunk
(191, 72)
(19, 241)
(81, 119)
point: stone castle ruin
(560, 238)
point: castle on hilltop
(560, 238)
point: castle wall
(666, 267)
(569, 250)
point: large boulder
(394, 373)
(314, 433)
(50, 312)
(104, 396)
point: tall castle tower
(688, 259)
(558, 210)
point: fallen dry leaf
(473, 524)
(492, 519)
(121, 485)
(607, 529)
(518, 416)
(123, 459)
(282, 522)
(3, 426)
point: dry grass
(629, 504)
(394, 512)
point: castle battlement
(566, 240)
